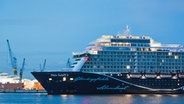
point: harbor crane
(21, 70)
(12, 59)
(44, 64)
(68, 64)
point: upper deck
(129, 42)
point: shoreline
(23, 91)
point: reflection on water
(20, 98)
(123, 99)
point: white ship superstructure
(129, 53)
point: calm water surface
(42, 98)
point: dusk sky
(53, 29)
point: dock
(23, 91)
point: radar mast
(127, 31)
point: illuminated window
(176, 57)
(128, 66)
(50, 79)
(170, 53)
(71, 79)
(163, 60)
(64, 78)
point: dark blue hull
(93, 83)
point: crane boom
(21, 70)
(68, 64)
(12, 59)
(43, 68)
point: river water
(43, 98)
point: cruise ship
(120, 64)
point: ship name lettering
(63, 75)
(59, 75)
(53, 75)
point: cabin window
(71, 79)
(64, 78)
(50, 79)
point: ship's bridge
(119, 42)
(122, 41)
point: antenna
(127, 31)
